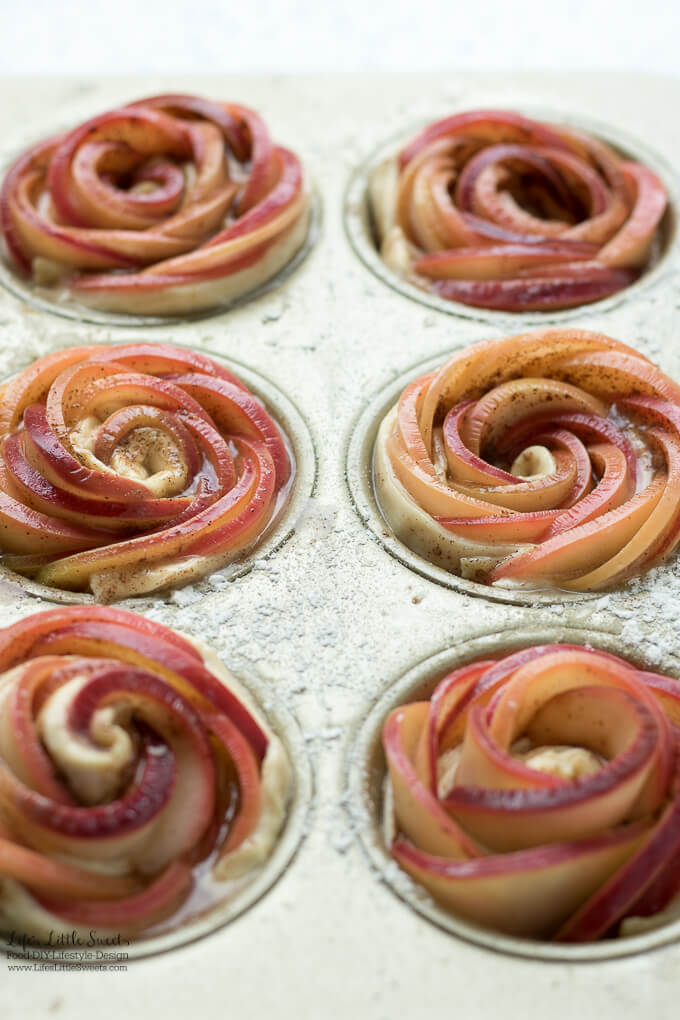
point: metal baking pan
(329, 620)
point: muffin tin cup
(360, 453)
(246, 891)
(366, 778)
(360, 229)
(299, 443)
(62, 305)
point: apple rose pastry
(127, 469)
(133, 775)
(539, 794)
(494, 210)
(170, 205)
(546, 459)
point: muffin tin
(328, 621)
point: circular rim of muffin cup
(298, 440)
(365, 773)
(360, 233)
(252, 886)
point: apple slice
(499, 262)
(503, 812)
(528, 893)
(464, 465)
(52, 877)
(131, 913)
(487, 126)
(631, 245)
(527, 295)
(618, 896)
(595, 542)
(416, 807)
(519, 528)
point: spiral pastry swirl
(166, 206)
(130, 765)
(551, 458)
(539, 794)
(491, 209)
(126, 469)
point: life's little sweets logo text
(66, 951)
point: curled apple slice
(529, 892)
(539, 794)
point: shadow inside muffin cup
(300, 488)
(368, 799)
(361, 231)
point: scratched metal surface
(329, 620)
